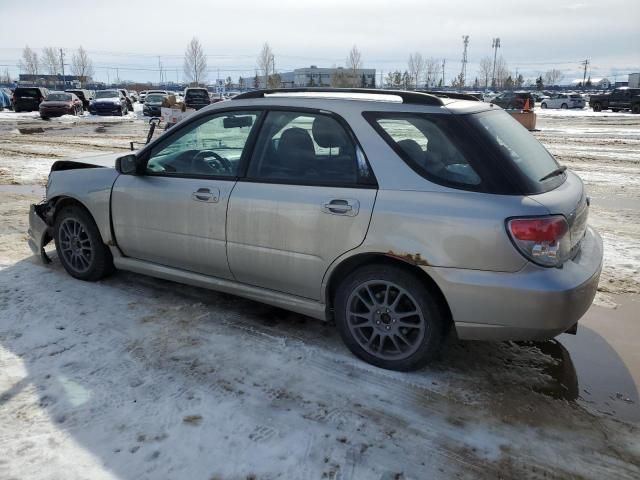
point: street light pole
(64, 81)
(495, 44)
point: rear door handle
(206, 195)
(342, 206)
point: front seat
(295, 153)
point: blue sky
(125, 38)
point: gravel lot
(134, 378)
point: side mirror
(127, 165)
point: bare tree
(354, 63)
(266, 61)
(502, 72)
(81, 65)
(485, 69)
(195, 62)
(29, 62)
(416, 66)
(51, 60)
(433, 69)
(553, 76)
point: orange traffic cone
(526, 106)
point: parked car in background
(623, 98)
(134, 96)
(128, 99)
(563, 100)
(142, 95)
(196, 97)
(154, 103)
(28, 99)
(85, 95)
(60, 103)
(514, 100)
(109, 102)
(5, 100)
(320, 205)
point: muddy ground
(134, 377)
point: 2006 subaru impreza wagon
(403, 217)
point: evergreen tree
(539, 83)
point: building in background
(330, 77)
(52, 81)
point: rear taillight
(543, 240)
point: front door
(174, 213)
(307, 199)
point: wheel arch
(408, 263)
(58, 203)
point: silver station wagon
(402, 216)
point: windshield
(519, 146)
(197, 95)
(59, 97)
(107, 94)
(155, 98)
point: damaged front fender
(39, 232)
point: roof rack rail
(415, 98)
(452, 95)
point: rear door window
(27, 92)
(307, 148)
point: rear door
(307, 199)
(174, 213)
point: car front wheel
(543, 105)
(79, 245)
(597, 107)
(387, 317)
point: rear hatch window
(197, 95)
(519, 150)
(27, 92)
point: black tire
(597, 107)
(425, 341)
(564, 106)
(615, 110)
(98, 261)
(635, 108)
(543, 105)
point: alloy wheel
(385, 320)
(75, 245)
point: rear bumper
(533, 304)
(38, 234)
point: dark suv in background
(514, 100)
(196, 98)
(623, 98)
(85, 95)
(28, 99)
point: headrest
(328, 133)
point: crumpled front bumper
(39, 233)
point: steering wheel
(222, 162)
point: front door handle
(342, 206)
(206, 195)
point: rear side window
(424, 144)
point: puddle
(31, 130)
(606, 359)
(564, 385)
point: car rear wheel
(597, 107)
(615, 110)
(80, 248)
(387, 317)
(564, 106)
(635, 108)
(543, 105)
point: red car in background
(60, 103)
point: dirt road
(135, 378)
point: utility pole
(444, 61)
(160, 69)
(584, 75)
(64, 83)
(463, 73)
(495, 44)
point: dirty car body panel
(284, 242)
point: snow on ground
(136, 378)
